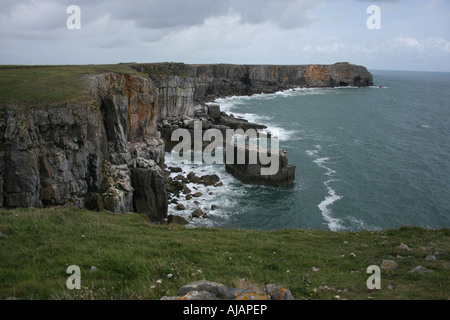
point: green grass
(45, 85)
(131, 255)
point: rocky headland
(106, 150)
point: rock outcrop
(108, 153)
(207, 290)
(282, 175)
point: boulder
(180, 207)
(207, 290)
(388, 265)
(197, 213)
(420, 270)
(193, 178)
(171, 219)
(210, 180)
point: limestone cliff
(106, 153)
(218, 80)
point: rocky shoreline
(211, 117)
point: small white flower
(169, 275)
(159, 281)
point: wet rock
(214, 207)
(214, 112)
(197, 213)
(237, 123)
(172, 219)
(186, 190)
(175, 169)
(193, 178)
(197, 195)
(209, 180)
(180, 207)
(181, 178)
(174, 186)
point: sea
(369, 158)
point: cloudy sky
(414, 34)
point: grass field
(136, 260)
(45, 85)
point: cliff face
(218, 80)
(107, 153)
(85, 154)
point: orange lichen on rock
(317, 73)
(206, 290)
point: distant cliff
(99, 147)
(219, 80)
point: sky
(413, 34)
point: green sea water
(366, 158)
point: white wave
(281, 133)
(334, 224)
(219, 196)
(315, 151)
(274, 129)
(346, 87)
(360, 224)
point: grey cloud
(156, 14)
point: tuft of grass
(137, 260)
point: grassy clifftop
(50, 84)
(136, 260)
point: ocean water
(366, 158)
